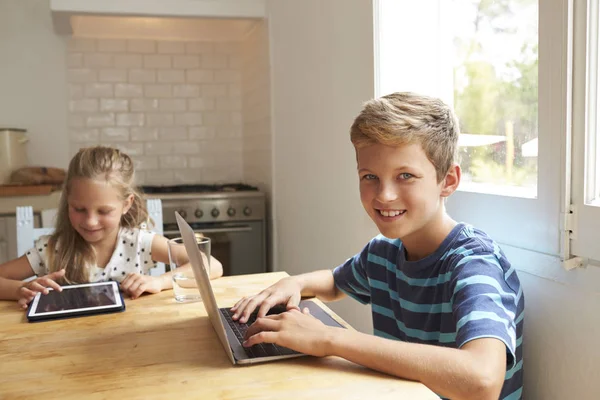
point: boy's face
(399, 189)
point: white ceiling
(159, 28)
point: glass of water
(185, 288)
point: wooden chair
(27, 234)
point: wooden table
(161, 349)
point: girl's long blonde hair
(66, 248)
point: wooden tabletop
(158, 348)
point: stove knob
(183, 213)
(199, 213)
(231, 211)
(247, 211)
(215, 212)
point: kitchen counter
(8, 204)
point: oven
(233, 220)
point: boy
(447, 306)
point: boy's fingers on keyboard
(261, 337)
(269, 303)
(240, 307)
(293, 301)
(237, 304)
(240, 302)
(264, 308)
(270, 323)
(251, 306)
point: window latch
(568, 232)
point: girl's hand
(136, 284)
(28, 290)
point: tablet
(76, 301)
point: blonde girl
(97, 237)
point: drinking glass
(185, 287)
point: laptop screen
(208, 297)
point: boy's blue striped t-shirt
(465, 290)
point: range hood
(153, 16)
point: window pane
(495, 93)
(481, 57)
(592, 191)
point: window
(495, 64)
(586, 131)
(503, 65)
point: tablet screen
(85, 297)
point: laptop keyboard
(258, 350)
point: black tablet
(76, 301)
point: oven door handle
(214, 230)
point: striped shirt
(465, 290)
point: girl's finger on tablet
(26, 292)
(35, 286)
(50, 283)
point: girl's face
(95, 209)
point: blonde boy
(447, 305)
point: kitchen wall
(174, 106)
(256, 119)
(256, 108)
(322, 72)
(322, 66)
(33, 80)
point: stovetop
(200, 188)
(212, 203)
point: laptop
(230, 332)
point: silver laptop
(230, 332)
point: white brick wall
(174, 107)
(256, 115)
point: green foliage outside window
(493, 98)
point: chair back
(154, 207)
(27, 234)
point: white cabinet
(3, 242)
(8, 238)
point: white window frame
(586, 218)
(533, 224)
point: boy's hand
(286, 291)
(136, 284)
(28, 290)
(293, 329)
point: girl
(97, 236)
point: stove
(209, 203)
(200, 188)
(232, 215)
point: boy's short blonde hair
(407, 118)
